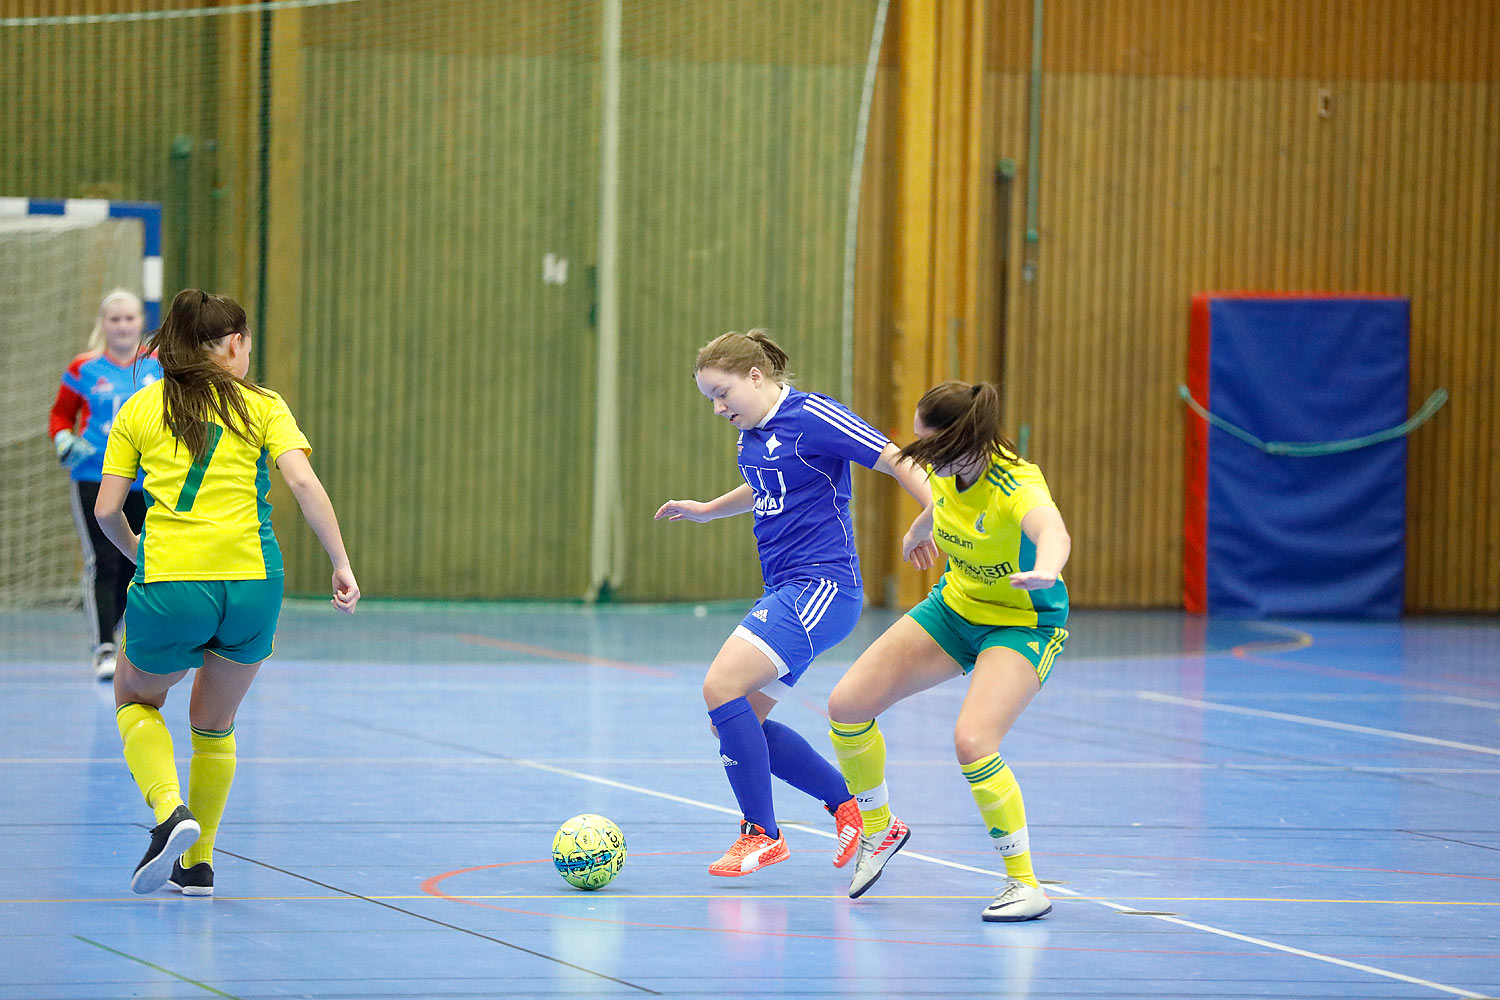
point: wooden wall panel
(880, 506)
(438, 175)
(737, 176)
(445, 385)
(425, 158)
(104, 110)
(1185, 147)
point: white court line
(1307, 720)
(1274, 946)
(1392, 696)
(1453, 699)
(1063, 765)
(1454, 990)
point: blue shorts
(171, 623)
(795, 622)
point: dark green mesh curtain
(442, 168)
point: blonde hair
(96, 335)
(737, 353)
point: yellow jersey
(211, 519)
(979, 529)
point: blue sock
(747, 762)
(794, 761)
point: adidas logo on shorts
(760, 613)
(727, 760)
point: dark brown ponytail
(195, 385)
(966, 418)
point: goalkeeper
(94, 386)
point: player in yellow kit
(208, 580)
(997, 616)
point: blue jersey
(796, 461)
(93, 390)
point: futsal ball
(588, 851)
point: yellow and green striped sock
(861, 753)
(209, 778)
(148, 752)
(999, 799)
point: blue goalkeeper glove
(72, 450)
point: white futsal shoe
(875, 849)
(104, 662)
(1018, 901)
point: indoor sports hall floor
(1223, 810)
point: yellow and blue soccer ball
(588, 851)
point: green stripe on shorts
(964, 641)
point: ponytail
(196, 386)
(737, 353)
(966, 419)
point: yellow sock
(209, 778)
(148, 752)
(861, 752)
(999, 799)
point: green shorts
(964, 641)
(169, 624)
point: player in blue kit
(794, 454)
(94, 386)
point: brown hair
(966, 419)
(737, 353)
(195, 384)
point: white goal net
(53, 272)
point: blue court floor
(1220, 809)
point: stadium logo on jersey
(979, 522)
(953, 539)
(760, 613)
(727, 760)
(771, 445)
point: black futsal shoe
(169, 839)
(195, 881)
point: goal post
(56, 263)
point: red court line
(432, 886)
(559, 654)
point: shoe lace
(1011, 889)
(750, 837)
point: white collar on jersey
(785, 389)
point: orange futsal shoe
(752, 852)
(848, 824)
